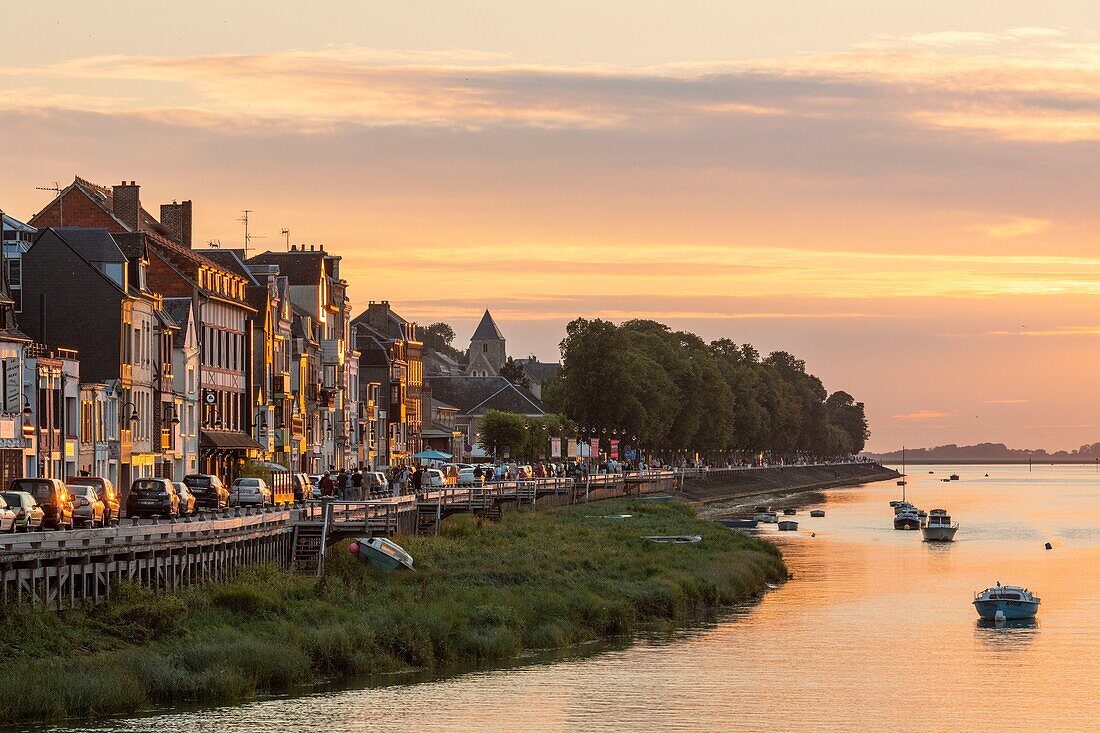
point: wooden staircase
(307, 548)
(427, 519)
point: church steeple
(487, 349)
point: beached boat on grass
(382, 553)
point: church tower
(487, 350)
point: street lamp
(175, 420)
(133, 415)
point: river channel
(875, 632)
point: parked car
(106, 492)
(209, 491)
(251, 492)
(466, 477)
(7, 517)
(434, 478)
(302, 486)
(152, 497)
(28, 515)
(187, 499)
(52, 496)
(88, 509)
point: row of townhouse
(127, 352)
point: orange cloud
(922, 415)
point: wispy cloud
(1014, 228)
(920, 415)
(1006, 402)
(1028, 84)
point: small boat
(939, 527)
(676, 539)
(788, 526)
(762, 509)
(817, 512)
(1006, 603)
(907, 519)
(903, 506)
(766, 517)
(954, 477)
(381, 553)
(790, 512)
(738, 523)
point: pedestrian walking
(343, 484)
(418, 479)
(357, 484)
(326, 486)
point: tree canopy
(672, 390)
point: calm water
(875, 633)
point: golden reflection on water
(875, 633)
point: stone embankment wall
(721, 485)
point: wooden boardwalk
(62, 569)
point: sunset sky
(903, 194)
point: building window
(15, 282)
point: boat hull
(906, 523)
(738, 523)
(1011, 610)
(939, 534)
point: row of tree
(670, 390)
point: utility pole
(286, 235)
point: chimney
(378, 315)
(176, 218)
(127, 204)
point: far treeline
(672, 391)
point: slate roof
(487, 330)
(539, 371)
(300, 268)
(229, 259)
(132, 244)
(478, 395)
(179, 310)
(94, 245)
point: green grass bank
(481, 592)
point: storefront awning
(227, 440)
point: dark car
(152, 497)
(52, 496)
(209, 491)
(106, 492)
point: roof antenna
(214, 243)
(286, 235)
(60, 201)
(248, 237)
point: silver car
(250, 492)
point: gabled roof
(478, 395)
(487, 330)
(539, 371)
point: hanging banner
(594, 447)
(570, 448)
(555, 447)
(614, 450)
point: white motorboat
(939, 527)
(1006, 603)
(903, 506)
(766, 517)
(788, 526)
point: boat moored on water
(908, 519)
(939, 527)
(903, 506)
(1006, 603)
